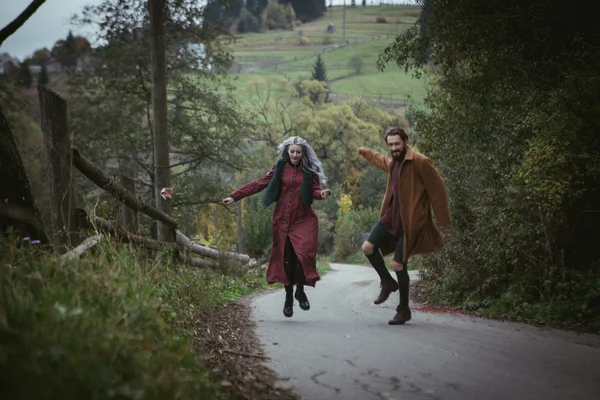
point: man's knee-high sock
(378, 263)
(403, 285)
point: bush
(357, 63)
(327, 40)
(257, 222)
(350, 225)
(117, 324)
(381, 20)
(278, 16)
(247, 22)
(303, 41)
(326, 235)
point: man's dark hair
(394, 132)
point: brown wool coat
(421, 190)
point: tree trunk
(17, 205)
(159, 109)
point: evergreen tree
(25, 77)
(308, 10)
(43, 79)
(319, 71)
(222, 14)
(353, 3)
(426, 16)
(262, 4)
(252, 7)
(364, 3)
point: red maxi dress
(291, 218)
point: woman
(293, 182)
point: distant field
(263, 55)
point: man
(405, 227)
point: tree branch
(20, 20)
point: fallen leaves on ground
(225, 335)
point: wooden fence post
(129, 215)
(57, 144)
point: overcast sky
(51, 23)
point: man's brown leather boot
(387, 288)
(402, 316)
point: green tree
(44, 79)
(247, 22)
(278, 16)
(319, 70)
(111, 107)
(252, 7)
(25, 78)
(41, 56)
(514, 152)
(357, 63)
(364, 3)
(257, 221)
(261, 7)
(353, 3)
(308, 10)
(68, 51)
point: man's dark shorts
(380, 236)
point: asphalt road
(343, 348)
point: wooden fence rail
(66, 219)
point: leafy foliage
(118, 324)
(257, 222)
(25, 78)
(278, 16)
(111, 107)
(352, 222)
(357, 63)
(247, 22)
(308, 10)
(43, 78)
(513, 125)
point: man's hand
(325, 193)
(228, 200)
(360, 150)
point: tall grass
(117, 324)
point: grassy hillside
(261, 55)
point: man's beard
(398, 155)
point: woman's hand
(228, 200)
(325, 193)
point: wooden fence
(68, 221)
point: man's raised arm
(382, 162)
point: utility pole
(344, 24)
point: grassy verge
(117, 324)
(323, 266)
(571, 307)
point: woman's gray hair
(309, 161)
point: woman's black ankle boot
(288, 306)
(301, 297)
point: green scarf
(272, 192)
